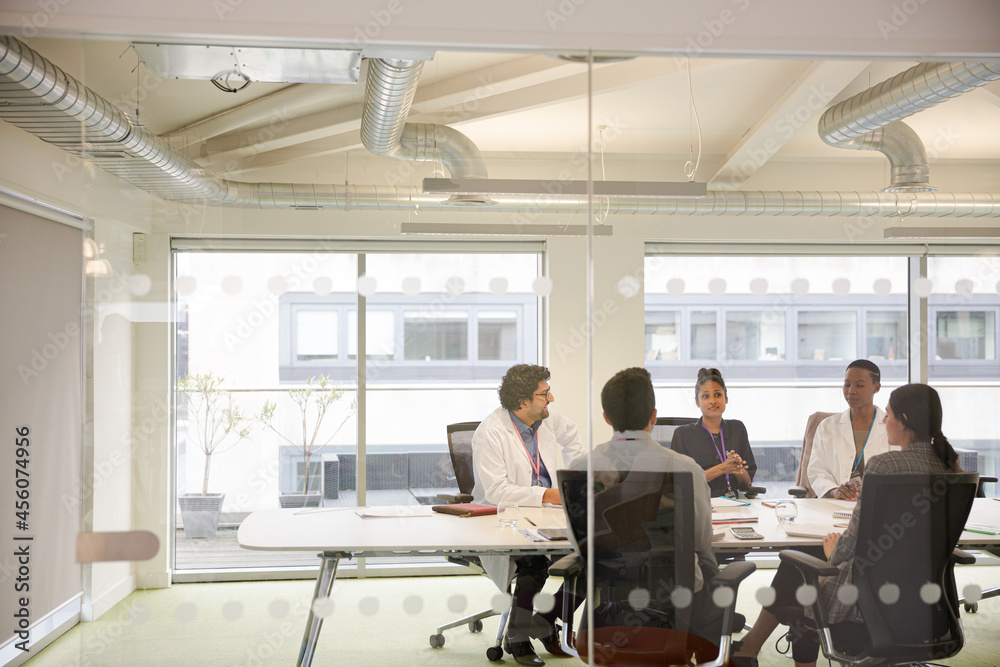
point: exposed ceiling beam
(489, 101)
(803, 101)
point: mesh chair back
(663, 431)
(460, 449)
(643, 542)
(802, 479)
(908, 527)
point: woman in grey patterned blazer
(912, 423)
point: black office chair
(460, 449)
(907, 532)
(663, 433)
(643, 542)
(973, 607)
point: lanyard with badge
(536, 465)
(722, 456)
(855, 473)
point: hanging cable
(689, 169)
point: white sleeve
(822, 475)
(491, 470)
(568, 438)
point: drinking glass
(508, 514)
(786, 511)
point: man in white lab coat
(514, 454)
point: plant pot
(292, 500)
(200, 514)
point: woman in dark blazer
(719, 446)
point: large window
(439, 331)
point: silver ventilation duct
(389, 91)
(40, 98)
(871, 119)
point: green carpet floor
(377, 621)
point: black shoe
(522, 652)
(549, 635)
(740, 660)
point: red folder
(466, 509)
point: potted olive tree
(313, 402)
(216, 424)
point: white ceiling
(531, 106)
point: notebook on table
(553, 533)
(466, 509)
(815, 530)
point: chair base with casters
(475, 624)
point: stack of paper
(392, 511)
(722, 503)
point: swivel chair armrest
(734, 573)
(753, 491)
(959, 557)
(568, 566)
(453, 498)
(798, 491)
(812, 568)
(986, 479)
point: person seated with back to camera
(912, 423)
(629, 406)
(720, 447)
(846, 442)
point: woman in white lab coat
(846, 441)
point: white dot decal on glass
(368, 606)
(186, 285)
(882, 287)
(766, 596)
(681, 597)
(455, 286)
(232, 285)
(972, 593)
(800, 287)
(411, 286)
(805, 595)
(457, 603)
(186, 612)
(542, 286)
(922, 287)
(278, 608)
(675, 286)
(232, 610)
(930, 593)
(366, 285)
(638, 598)
(322, 286)
(413, 604)
(323, 607)
(717, 286)
(277, 285)
(140, 284)
(628, 286)
(544, 602)
(841, 286)
(847, 594)
(139, 614)
(888, 593)
(723, 596)
(964, 288)
(500, 602)
(758, 286)
(498, 286)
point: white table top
(341, 529)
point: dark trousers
(529, 577)
(803, 637)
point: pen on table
(530, 521)
(981, 531)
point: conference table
(415, 531)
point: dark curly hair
(520, 384)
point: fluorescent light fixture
(941, 233)
(554, 187)
(504, 229)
